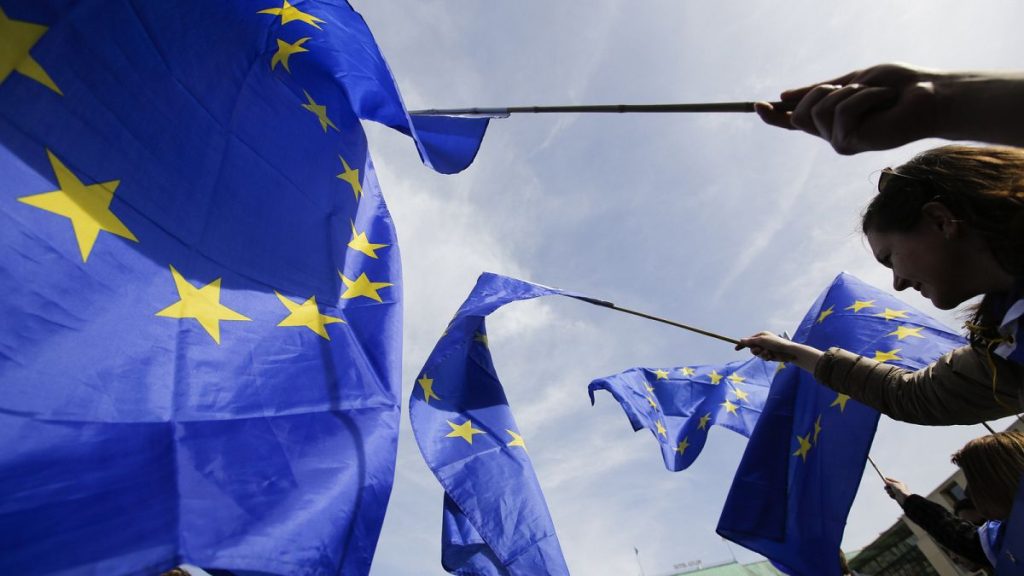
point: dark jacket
(955, 534)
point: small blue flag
(201, 287)
(496, 521)
(801, 469)
(679, 404)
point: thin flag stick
(606, 304)
(699, 107)
(879, 472)
(637, 551)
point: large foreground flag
(201, 289)
(680, 404)
(496, 521)
(801, 469)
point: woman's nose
(899, 283)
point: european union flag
(679, 404)
(495, 519)
(800, 472)
(202, 292)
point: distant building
(760, 568)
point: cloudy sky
(713, 220)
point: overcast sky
(713, 220)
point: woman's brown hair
(993, 466)
(983, 186)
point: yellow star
(661, 374)
(285, 52)
(703, 425)
(352, 177)
(661, 428)
(805, 447)
(360, 243)
(88, 207)
(817, 428)
(289, 13)
(840, 401)
(203, 304)
(881, 356)
(859, 305)
(683, 445)
(321, 113)
(517, 440)
(481, 338)
(780, 367)
(891, 314)
(427, 385)
(362, 286)
(826, 313)
(650, 400)
(687, 371)
(740, 394)
(715, 377)
(648, 387)
(464, 431)
(307, 314)
(730, 407)
(736, 379)
(902, 332)
(18, 38)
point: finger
(769, 115)
(798, 93)
(823, 113)
(802, 114)
(849, 118)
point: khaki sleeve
(955, 389)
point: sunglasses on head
(890, 177)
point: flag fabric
(1011, 550)
(495, 519)
(803, 464)
(202, 291)
(679, 404)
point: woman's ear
(939, 216)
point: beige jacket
(955, 389)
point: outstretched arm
(889, 105)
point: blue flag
(496, 521)
(1010, 546)
(201, 287)
(801, 469)
(679, 405)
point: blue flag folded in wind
(496, 521)
(679, 405)
(201, 288)
(801, 469)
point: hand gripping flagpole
(696, 107)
